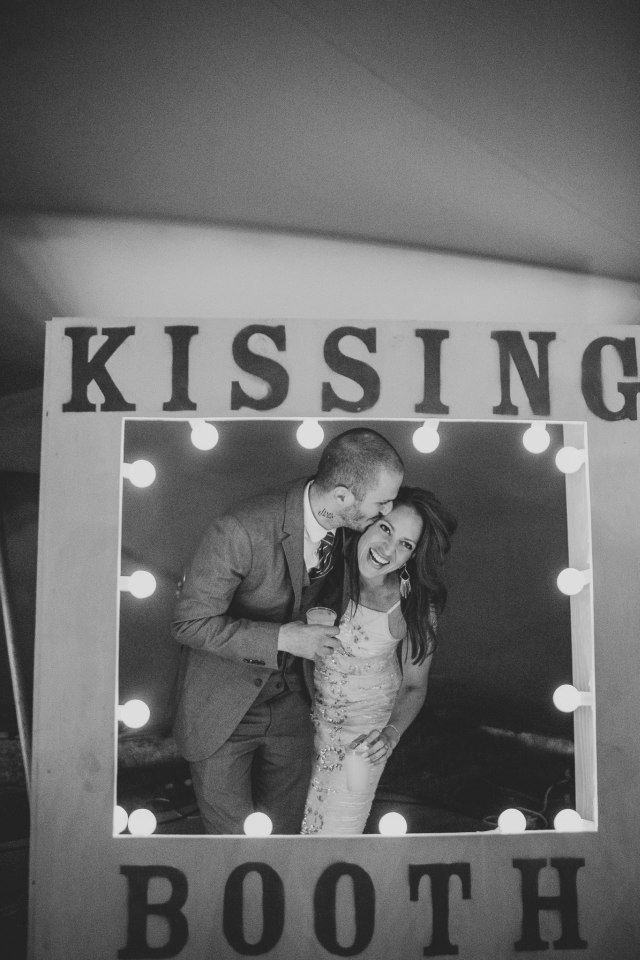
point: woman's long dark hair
(428, 594)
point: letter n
(85, 370)
(566, 904)
(139, 909)
(512, 347)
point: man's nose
(386, 508)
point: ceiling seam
(504, 157)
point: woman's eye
(384, 528)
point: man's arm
(201, 620)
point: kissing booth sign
(103, 889)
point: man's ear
(343, 496)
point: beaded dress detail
(354, 693)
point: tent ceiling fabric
(507, 131)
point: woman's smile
(377, 559)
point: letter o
(272, 909)
(324, 908)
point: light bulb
(536, 439)
(141, 584)
(120, 819)
(204, 435)
(569, 459)
(512, 821)
(392, 825)
(426, 438)
(571, 581)
(134, 713)
(568, 821)
(258, 825)
(141, 473)
(310, 434)
(567, 699)
(142, 823)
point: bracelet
(393, 727)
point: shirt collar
(314, 530)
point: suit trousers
(265, 766)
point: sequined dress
(354, 693)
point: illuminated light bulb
(142, 823)
(310, 434)
(120, 819)
(536, 439)
(141, 473)
(567, 699)
(258, 825)
(204, 435)
(134, 713)
(392, 825)
(571, 581)
(570, 459)
(512, 821)
(426, 438)
(141, 584)
(569, 821)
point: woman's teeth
(377, 559)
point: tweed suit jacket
(245, 580)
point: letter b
(139, 908)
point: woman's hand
(376, 746)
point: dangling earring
(405, 583)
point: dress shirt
(313, 532)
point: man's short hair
(355, 459)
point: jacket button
(258, 682)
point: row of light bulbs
(310, 434)
(142, 584)
(143, 823)
(204, 436)
(567, 698)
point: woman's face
(388, 543)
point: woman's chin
(369, 571)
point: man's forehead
(386, 483)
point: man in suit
(243, 718)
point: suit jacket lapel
(293, 541)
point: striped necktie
(325, 548)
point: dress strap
(396, 604)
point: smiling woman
(368, 694)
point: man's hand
(309, 640)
